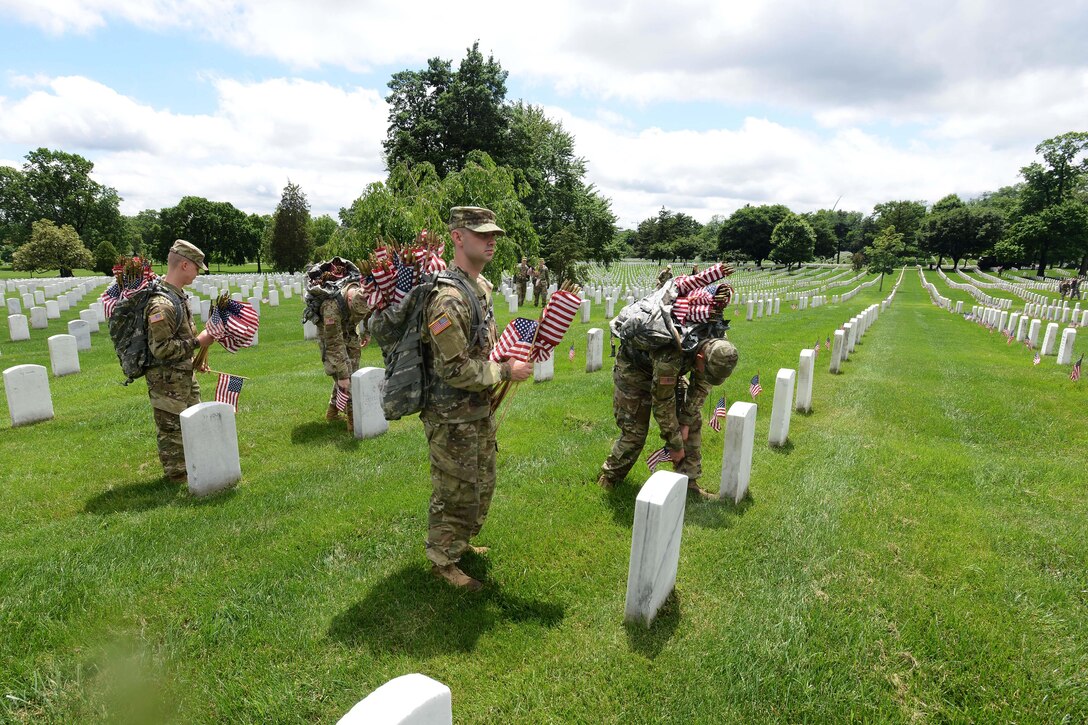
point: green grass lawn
(918, 551)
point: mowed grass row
(916, 552)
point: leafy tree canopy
(747, 232)
(792, 241)
(292, 245)
(52, 247)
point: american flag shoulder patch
(440, 325)
(157, 317)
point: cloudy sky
(695, 105)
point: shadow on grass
(147, 495)
(785, 449)
(324, 432)
(411, 612)
(716, 514)
(649, 641)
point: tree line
(455, 139)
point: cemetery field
(918, 551)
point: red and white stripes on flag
(708, 276)
(234, 325)
(1075, 375)
(556, 319)
(658, 457)
(340, 398)
(228, 388)
(515, 342)
(719, 413)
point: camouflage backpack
(319, 290)
(398, 330)
(128, 329)
(647, 323)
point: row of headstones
(975, 292)
(1025, 329)
(52, 307)
(1058, 313)
(93, 316)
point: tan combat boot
(332, 414)
(605, 482)
(479, 550)
(453, 574)
(350, 419)
(694, 489)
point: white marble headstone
(27, 390)
(209, 435)
(18, 329)
(81, 332)
(1065, 350)
(740, 436)
(38, 319)
(366, 402)
(805, 370)
(309, 330)
(782, 406)
(1050, 339)
(655, 545)
(594, 349)
(63, 355)
(407, 700)
(91, 318)
(544, 371)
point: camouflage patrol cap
(191, 252)
(475, 218)
(720, 357)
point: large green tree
(906, 216)
(885, 253)
(58, 186)
(105, 256)
(1048, 215)
(747, 232)
(52, 247)
(792, 241)
(291, 242)
(668, 235)
(958, 230)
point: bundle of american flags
(535, 340)
(132, 275)
(233, 324)
(697, 300)
(392, 271)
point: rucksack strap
(479, 320)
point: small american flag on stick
(754, 388)
(570, 354)
(658, 457)
(228, 388)
(1075, 375)
(341, 398)
(516, 341)
(719, 413)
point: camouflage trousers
(540, 294)
(462, 457)
(632, 409)
(521, 293)
(171, 392)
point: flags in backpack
(719, 413)
(131, 276)
(570, 354)
(658, 457)
(754, 388)
(1075, 375)
(228, 388)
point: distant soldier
(695, 269)
(1075, 288)
(1063, 288)
(172, 339)
(540, 284)
(654, 381)
(664, 276)
(522, 279)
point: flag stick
(218, 372)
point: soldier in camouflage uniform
(540, 284)
(457, 418)
(173, 340)
(340, 344)
(522, 278)
(655, 381)
(664, 276)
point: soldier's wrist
(504, 372)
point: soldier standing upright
(540, 284)
(522, 278)
(654, 381)
(457, 418)
(173, 340)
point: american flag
(1075, 375)
(570, 354)
(816, 347)
(117, 292)
(1037, 360)
(233, 324)
(827, 343)
(516, 341)
(556, 318)
(228, 388)
(658, 457)
(708, 276)
(406, 279)
(340, 398)
(385, 278)
(754, 388)
(719, 413)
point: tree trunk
(66, 272)
(1083, 266)
(881, 288)
(940, 259)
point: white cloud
(326, 139)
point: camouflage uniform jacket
(456, 357)
(541, 278)
(522, 275)
(172, 343)
(663, 277)
(676, 401)
(339, 336)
